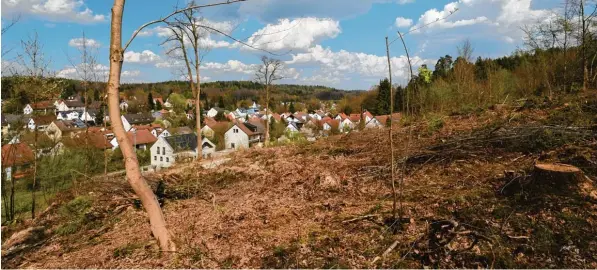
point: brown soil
(287, 207)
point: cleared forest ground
(466, 200)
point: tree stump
(557, 177)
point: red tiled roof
(142, 136)
(355, 117)
(17, 154)
(44, 119)
(46, 104)
(342, 116)
(95, 139)
(367, 114)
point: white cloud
(208, 39)
(298, 34)
(78, 43)
(230, 66)
(501, 18)
(97, 72)
(144, 57)
(54, 10)
(344, 63)
(403, 22)
(131, 73)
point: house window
(167, 159)
(232, 145)
(155, 158)
(161, 158)
(163, 150)
(158, 150)
(235, 130)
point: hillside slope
(328, 204)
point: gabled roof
(367, 114)
(46, 104)
(142, 136)
(17, 154)
(44, 119)
(65, 125)
(259, 125)
(180, 130)
(139, 118)
(7, 118)
(95, 139)
(355, 117)
(184, 142)
(247, 128)
(342, 116)
(74, 103)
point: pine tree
(221, 102)
(383, 97)
(291, 107)
(150, 103)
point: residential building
(128, 120)
(59, 128)
(242, 135)
(175, 131)
(141, 139)
(208, 148)
(40, 122)
(169, 150)
(213, 112)
(16, 159)
(67, 115)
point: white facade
(212, 112)
(236, 138)
(27, 109)
(127, 125)
(327, 126)
(123, 106)
(164, 134)
(162, 154)
(291, 128)
(207, 148)
(373, 123)
(62, 107)
(72, 115)
(346, 124)
(86, 117)
(207, 131)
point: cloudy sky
(338, 43)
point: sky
(336, 43)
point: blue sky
(338, 43)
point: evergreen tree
(99, 116)
(383, 97)
(150, 103)
(158, 106)
(291, 107)
(221, 102)
(96, 95)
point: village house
(208, 148)
(346, 124)
(175, 131)
(16, 159)
(214, 111)
(67, 115)
(292, 127)
(210, 127)
(169, 150)
(11, 121)
(71, 104)
(59, 128)
(141, 139)
(40, 122)
(124, 106)
(42, 107)
(242, 135)
(128, 120)
(88, 115)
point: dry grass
(285, 206)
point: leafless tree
(133, 171)
(35, 70)
(5, 27)
(465, 50)
(267, 73)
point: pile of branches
(526, 139)
(448, 239)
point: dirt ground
(329, 204)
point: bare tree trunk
(33, 186)
(391, 132)
(584, 46)
(133, 172)
(267, 115)
(198, 115)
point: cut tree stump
(561, 177)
